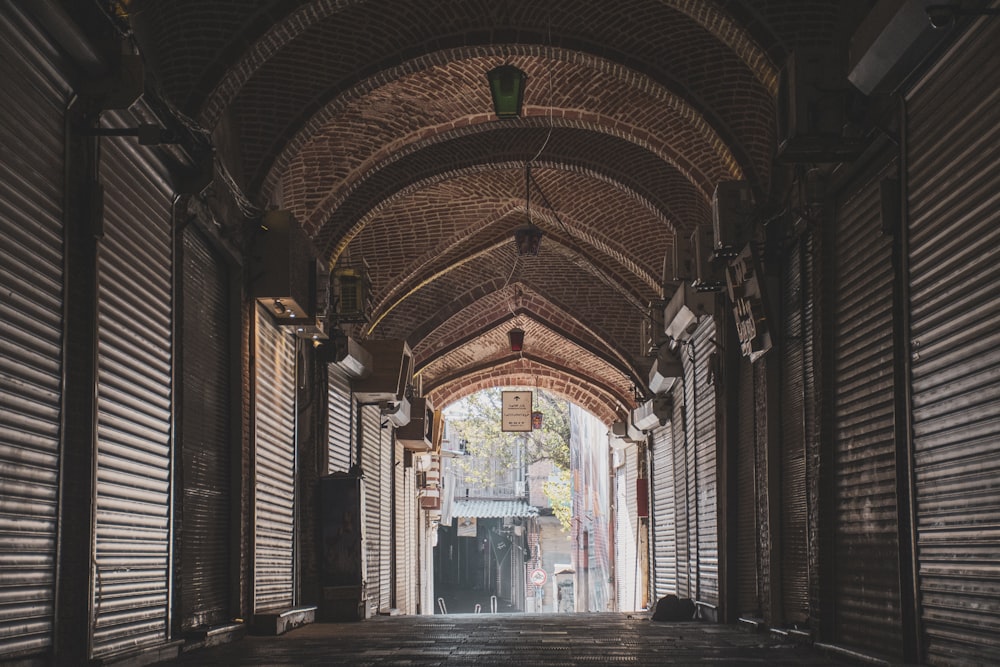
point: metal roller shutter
(387, 546)
(411, 538)
(954, 232)
(690, 469)
(205, 435)
(31, 311)
(134, 403)
(399, 533)
(664, 527)
(794, 509)
(867, 575)
(747, 529)
(625, 533)
(274, 466)
(371, 461)
(681, 504)
(706, 473)
(340, 419)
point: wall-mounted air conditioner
(683, 259)
(813, 101)
(397, 411)
(667, 367)
(349, 354)
(708, 272)
(732, 210)
(418, 434)
(282, 277)
(654, 412)
(684, 309)
(350, 294)
(392, 371)
(627, 433)
(651, 334)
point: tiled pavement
(536, 640)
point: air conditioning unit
(684, 309)
(418, 434)
(350, 294)
(665, 371)
(281, 268)
(627, 433)
(708, 272)
(683, 259)
(732, 209)
(813, 100)
(392, 371)
(350, 355)
(654, 412)
(397, 412)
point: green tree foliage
(559, 492)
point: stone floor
(538, 640)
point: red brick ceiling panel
(367, 126)
(661, 188)
(529, 373)
(356, 43)
(450, 222)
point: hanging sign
(515, 411)
(467, 526)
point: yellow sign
(515, 411)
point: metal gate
(205, 475)
(705, 360)
(664, 527)
(747, 528)
(31, 310)
(371, 461)
(953, 135)
(135, 403)
(681, 498)
(340, 419)
(866, 581)
(794, 507)
(274, 466)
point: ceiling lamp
(516, 337)
(528, 237)
(507, 89)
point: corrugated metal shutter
(371, 461)
(664, 527)
(705, 467)
(387, 545)
(690, 469)
(399, 532)
(794, 508)
(274, 466)
(134, 403)
(747, 528)
(681, 504)
(954, 228)
(411, 539)
(205, 435)
(31, 311)
(626, 536)
(340, 419)
(867, 581)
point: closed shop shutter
(134, 403)
(954, 232)
(866, 585)
(411, 539)
(625, 534)
(31, 311)
(690, 468)
(664, 528)
(274, 466)
(205, 475)
(681, 505)
(387, 547)
(747, 529)
(705, 467)
(371, 461)
(340, 419)
(400, 599)
(794, 509)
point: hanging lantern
(528, 239)
(507, 89)
(516, 337)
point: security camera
(940, 16)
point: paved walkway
(538, 640)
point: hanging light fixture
(516, 337)
(528, 237)
(507, 89)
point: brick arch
(221, 78)
(361, 129)
(601, 157)
(530, 373)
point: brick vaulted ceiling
(372, 122)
